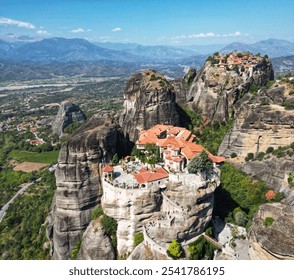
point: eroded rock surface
(149, 99)
(215, 89)
(275, 241)
(96, 245)
(67, 114)
(78, 182)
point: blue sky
(150, 22)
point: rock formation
(182, 86)
(272, 241)
(78, 182)
(261, 122)
(217, 87)
(96, 245)
(184, 208)
(149, 99)
(67, 114)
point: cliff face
(274, 241)
(261, 122)
(217, 87)
(181, 211)
(149, 99)
(67, 114)
(78, 182)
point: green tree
(199, 163)
(174, 250)
(115, 159)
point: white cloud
(9, 21)
(42, 32)
(78, 30)
(117, 29)
(206, 35)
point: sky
(149, 22)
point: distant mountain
(271, 47)
(159, 53)
(66, 50)
(283, 64)
(116, 46)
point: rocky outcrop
(149, 99)
(276, 240)
(78, 182)
(215, 89)
(182, 86)
(180, 211)
(96, 245)
(68, 113)
(261, 122)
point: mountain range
(73, 50)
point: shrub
(250, 156)
(139, 238)
(199, 163)
(269, 150)
(98, 211)
(260, 156)
(233, 155)
(174, 250)
(268, 221)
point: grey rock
(275, 241)
(96, 245)
(149, 99)
(67, 114)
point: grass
(44, 157)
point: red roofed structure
(146, 178)
(107, 169)
(175, 144)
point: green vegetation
(139, 238)
(239, 196)
(268, 221)
(288, 106)
(45, 157)
(73, 127)
(175, 250)
(150, 155)
(98, 211)
(115, 159)
(110, 226)
(153, 78)
(201, 249)
(233, 155)
(199, 163)
(22, 231)
(210, 135)
(74, 252)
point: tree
(115, 159)
(199, 163)
(174, 250)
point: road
(21, 191)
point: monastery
(176, 148)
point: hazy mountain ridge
(67, 50)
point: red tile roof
(107, 168)
(150, 176)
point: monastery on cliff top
(176, 148)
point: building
(176, 146)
